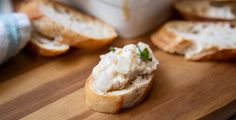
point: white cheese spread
(121, 66)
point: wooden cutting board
(37, 88)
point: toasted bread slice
(76, 29)
(122, 79)
(198, 40)
(207, 10)
(47, 47)
(113, 102)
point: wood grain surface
(38, 88)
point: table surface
(34, 87)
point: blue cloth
(15, 31)
(5, 6)
(12, 32)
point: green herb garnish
(112, 49)
(144, 54)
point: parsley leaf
(144, 54)
(112, 49)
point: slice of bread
(198, 40)
(207, 10)
(114, 101)
(122, 78)
(46, 47)
(76, 29)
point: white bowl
(130, 17)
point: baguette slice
(76, 29)
(207, 10)
(113, 102)
(122, 78)
(46, 47)
(198, 40)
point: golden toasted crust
(35, 48)
(111, 103)
(215, 54)
(48, 27)
(172, 42)
(29, 7)
(101, 103)
(36, 45)
(193, 15)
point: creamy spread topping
(118, 68)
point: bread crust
(48, 27)
(215, 54)
(101, 103)
(172, 42)
(193, 16)
(36, 47)
(110, 103)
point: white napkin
(15, 31)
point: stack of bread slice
(208, 34)
(60, 27)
